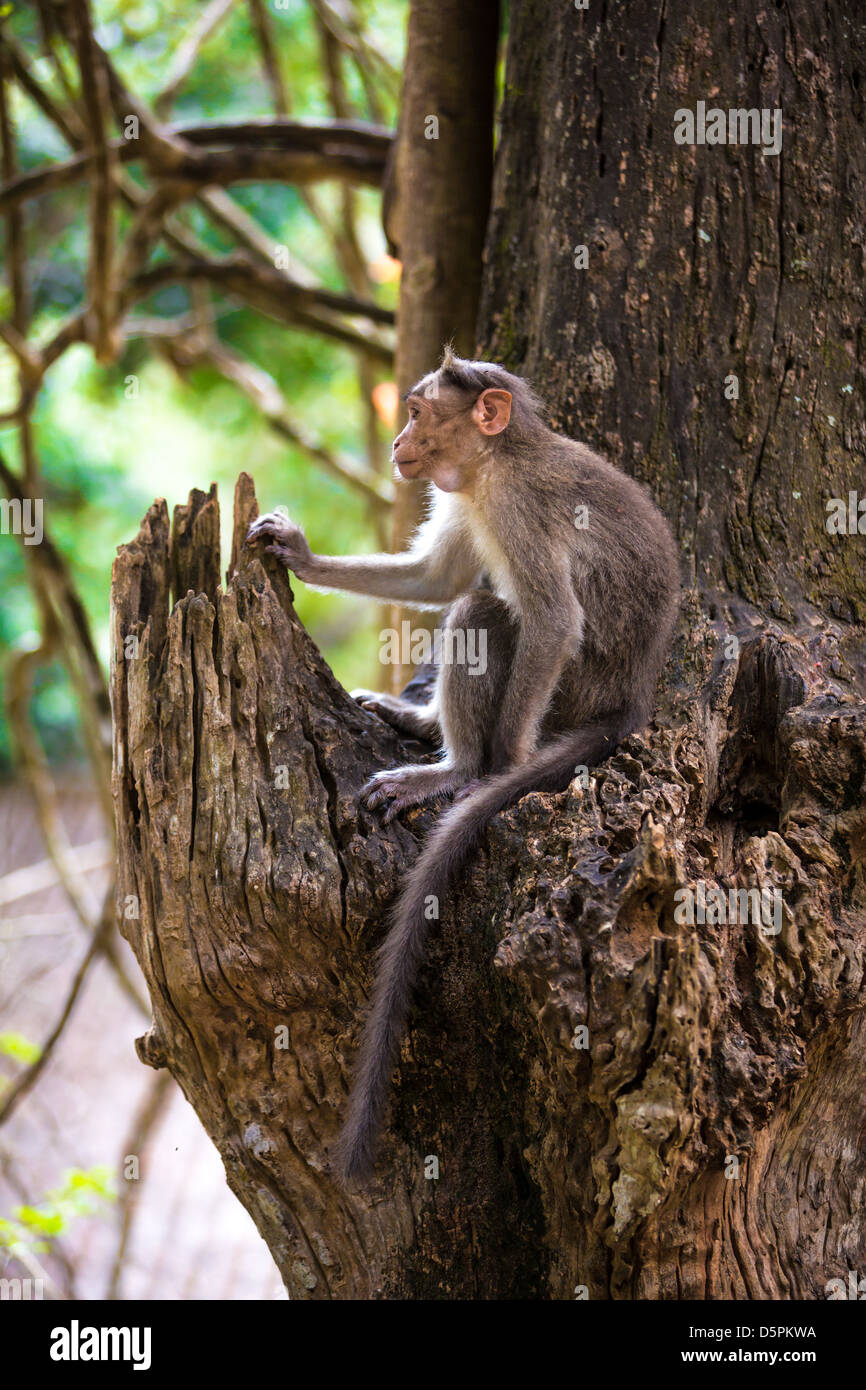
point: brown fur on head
(458, 415)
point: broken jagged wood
(526, 1157)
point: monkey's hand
(288, 542)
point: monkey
(568, 567)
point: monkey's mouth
(408, 468)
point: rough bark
(260, 891)
(705, 262)
(701, 1139)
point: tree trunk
(438, 199)
(436, 204)
(621, 1101)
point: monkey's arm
(440, 565)
(551, 628)
(421, 581)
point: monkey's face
(448, 436)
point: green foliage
(19, 1048)
(82, 1193)
(106, 452)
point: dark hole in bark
(134, 806)
(757, 817)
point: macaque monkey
(571, 571)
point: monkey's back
(625, 569)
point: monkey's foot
(403, 787)
(419, 720)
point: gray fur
(579, 622)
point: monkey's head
(458, 416)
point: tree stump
(596, 1096)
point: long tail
(446, 851)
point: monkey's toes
(368, 699)
(398, 804)
(395, 788)
(376, 792)
(387, 715)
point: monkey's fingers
(282, 552)
(269, 524)
(403, 788)
(256, 528)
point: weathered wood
(260, 889)
(702, 1137)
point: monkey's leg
(422, 721)
(470, 693)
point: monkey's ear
(492, 411)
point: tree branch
(263, 286)
(145, 1122)
(270, 58)
(272, 294)
(373, 67)
(35, 878)
(279, 150)
(66, 121)
(28, 1078)
(95, 97)
(185, 57)
(261, 388)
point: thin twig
(19, 687)
(35, 878)
(14, 248)
(374, 68)
(95, 97)
(136, 1144)
(56, 592)
(270, 58)
(66, 121)
(28, 1078)
(186, 55)
(261, 388)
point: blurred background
(108, 1186)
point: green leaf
(47, 1223)
(20, 1048)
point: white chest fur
(490, 553)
